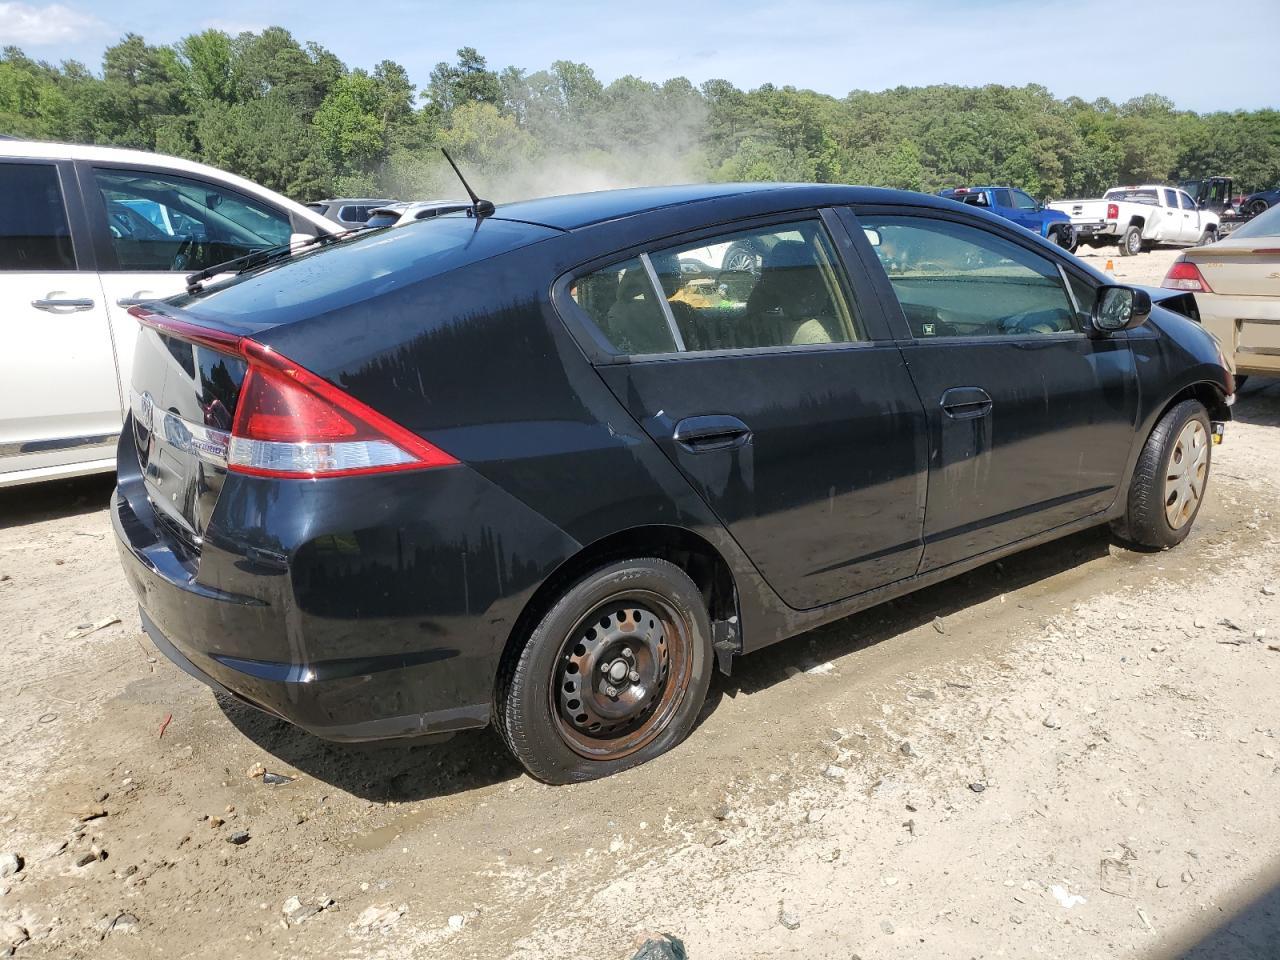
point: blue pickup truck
(1021, 208)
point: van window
(33, 219)
(162, 222)
(954, 280)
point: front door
(60, 400)
(1191, 229)
(154, 227)
(1031, 420)
(774, 389)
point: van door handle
(73, 305)
(708, 433)
(966, 403)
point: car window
(1022, 201)
(778, 286)
(1003, 198)
(355, 214)
(1085, 295)
(33, 219)
(978, 199)
(163, 222)
(621, 302)
(1171, 198)
(1187, 202)
(955, 280)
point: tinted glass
(778, 286)
(355, 214)
(1085, 294)
(1003, 198)
(33, 220)
(161, 222)
(1134, 196)
(621, 302)
(1022, 201)
(1171, 198)
(957, 281)
(978, 199)
(1186, 202)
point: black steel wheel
(613, 674)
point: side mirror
(1120, 308)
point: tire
(1209, 236)
(1257, 207)
(1161, 511)
(1130, 242)
(1064, 237)
(644, 616)
(741, 257)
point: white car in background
(409, 211)
(86, 233)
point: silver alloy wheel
(1134, 243)
(1186, 475)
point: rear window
(368, 265)
(1135, 196)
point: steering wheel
(190, 252)
(1026, 323)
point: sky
(1202, 55)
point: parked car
(501, 469)
(351, 212)
(1139, 218)
(86, 232)
(1256, 203)
(1018, 206)
(1236, 283)
(398, 214)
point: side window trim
(655, 286)
(893, 307)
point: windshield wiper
(260, 258)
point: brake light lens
(1113, 211)
(290, 423)
(1184, 275)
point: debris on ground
(1066, 898)
(84, 629)
(378, 918)
(1116, 877)
(788, 918)
(10, 864)
(661, 946)
(297, 911)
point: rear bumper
(1096, 229)
(357, 609)
(1248, 329)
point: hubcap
(622, 672)
(1185, 478)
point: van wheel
(1169, 481)
(1131, 242)
(614, 674)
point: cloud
(26, 24)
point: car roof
(49, 150)
(335, 200)
(574, 211)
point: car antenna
(479, 208)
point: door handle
(966, 403)
(133, 301)
(73, 305)
(716, 432)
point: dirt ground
(1072, 753)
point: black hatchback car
(550, 467)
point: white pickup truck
(1138, 218)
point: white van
(85, 233)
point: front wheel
(1169, 481)
(1131, 242)
(614, 674)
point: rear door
(60, 401)
(1031, 421)
(776, 390)
(153, 227)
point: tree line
(294, 117)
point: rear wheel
(1257, 207)
(1065, 237)
(1131, 242)
(614, 674)
(1209, 236)
(1169, 481)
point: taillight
(1113, 211)
(1184, 275)
(291, 423)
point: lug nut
(604, 668)
(635, 676)
(626, 652)
(611, 690)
